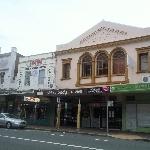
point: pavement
(112, 133)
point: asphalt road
(16, 139)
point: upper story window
(66, 66)
(41, 76)
(86, 66)
(2, 74)
(119, 61)
(27, 78)
(143, 60)
(102, 64)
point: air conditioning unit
(146, 79)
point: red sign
(36, 62)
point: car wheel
(8, 125)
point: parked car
(11, 121)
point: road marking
(61, 135)
(106, 140)
(26, 139)
(52, 134)
(96, 139)
(19, 138)
(34, 140)
(13, 137)
(50, 142)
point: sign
(31, 99)
(141, 87)
(36, 62)
(110, 103)
(39, 93)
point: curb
(87, 133)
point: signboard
(110, 103)
(141, 87)
(31, 99)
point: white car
(11, 121)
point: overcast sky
(37, 26)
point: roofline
(103, 45)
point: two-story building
(36, 74)
(8, 73)
(107, 56)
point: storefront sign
(76, 92)
(141, 87)
(32, 99)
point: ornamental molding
(103, 45)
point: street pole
(107, 120)
(78, 115)
(58, 113)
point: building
(36, 74)
(8, 73)
(107, 56)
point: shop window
(102, 64)
(27, 78)
(119, 59)
(66, 66)
(41, 76)
(2, 74)
(86, 66)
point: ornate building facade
(109, 55)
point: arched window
(86, 66)
(119, 62)
(102, 64)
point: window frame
(2, 77)
(25, 82)
(139, 52)
(86, 63)
(65, 62)
(40, 77)
(118, 73)
(103, 62)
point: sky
(37, 26)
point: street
(16, 139)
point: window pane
(2, 74)
(144, 62)
(119, 62)
(102, 65)
(41, 76)
(86, 66)
(27, 78)
(66, 71)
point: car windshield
(11, 116)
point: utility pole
(78, 115)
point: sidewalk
(112, 133)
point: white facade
(36, 72)
(8, 66)
(105, 36)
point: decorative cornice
(103, 45)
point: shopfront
(136, 105)
(93, 107)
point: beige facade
(104, 37)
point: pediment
(103, 32)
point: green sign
(141, 87)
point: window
(66, 71)
(143, 62)
(2, 74)
(27, 78)
(41, 76)
(86, 66)
(102, 64)
(119, 62)
(66, 66)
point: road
(16, 139)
